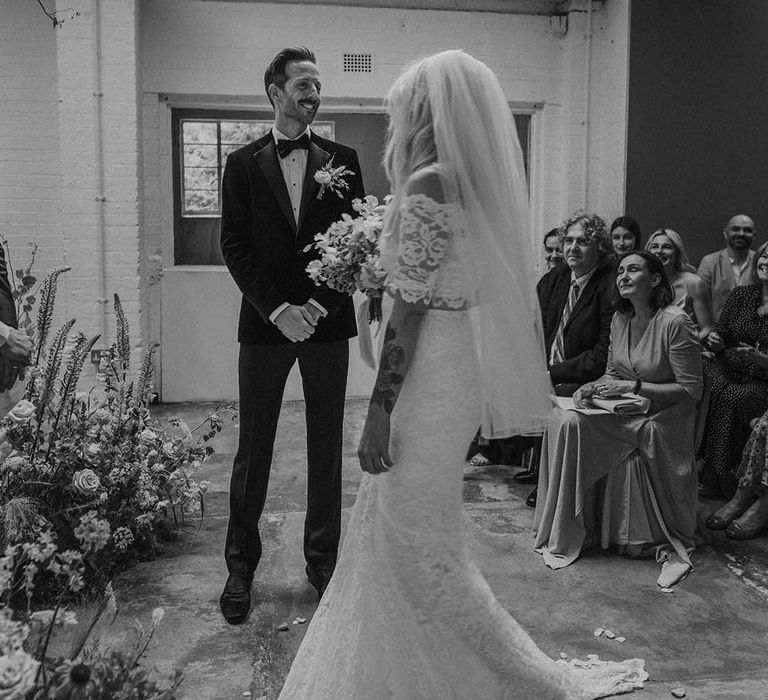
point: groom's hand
(296, 323)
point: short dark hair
(762, 250)
(275, 72)
(550, 233)
(629, 223)
(594, 227)
(662, 294)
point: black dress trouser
(262, 373)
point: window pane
(198, 155)
(201, 179)
(198, 132)
(243, 132)
(201, 202)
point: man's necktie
(285, 146)
(558, 352)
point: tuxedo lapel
(266, 159)
(316, 159)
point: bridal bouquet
(349, 254)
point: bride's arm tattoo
(390, 372)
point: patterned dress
(739, 390)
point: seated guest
(576, 310)
(625, 235)
(689, 289)
(553, 250)
(739, 375)
(732, 266)
(629, 480)
(746, 514)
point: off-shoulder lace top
(426, 265)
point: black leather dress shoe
(529, 476)
(319, 579)
(235, 601)
(531, 500)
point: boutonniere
(332, 178)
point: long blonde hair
(410, 133)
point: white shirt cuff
(5, 331)
(278, 311)
(317, 305)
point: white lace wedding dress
(407, 616)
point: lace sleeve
(425, 234)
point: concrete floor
(710, 636)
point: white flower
(22, 412)
(147, 436)
(17, 675)
(203, 486)
(14, 463)
(323, 177)
(86, 482)
(157, 616)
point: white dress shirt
(294, 167)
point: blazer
(264, 248)
(716, 271)
(587, 332)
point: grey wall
(697, 149)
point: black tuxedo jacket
(264, 249)
(587, 332)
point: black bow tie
(285, 146)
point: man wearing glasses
(732, 266)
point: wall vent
(358, 63)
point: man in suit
(732, 266)
(15, 345)
(576, 308)
(271, 209)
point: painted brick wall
(30, 194)
(100, 233)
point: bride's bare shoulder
(428, 182)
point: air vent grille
(358, 63)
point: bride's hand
(373, 451)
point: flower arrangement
(349, 254)
(90, 482)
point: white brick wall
(30, 195)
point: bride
(406, 615)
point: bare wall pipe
(101, 199)
(587, 106)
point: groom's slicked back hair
(275, 72)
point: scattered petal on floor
(563, 655)
(283, 627)
(664, 589)
(301, 620)
(610, 634)
(678, 693)
(599, 631)
(621, 639)
(246, 693)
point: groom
(271, 209)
